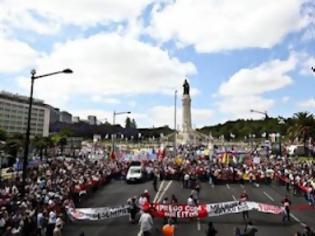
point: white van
(135, 174)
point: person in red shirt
(244, 198)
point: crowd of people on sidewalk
(50, 187)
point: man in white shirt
(52, 217)
(146, 223)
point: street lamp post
(278, 135)
(28, 129)
(113, 134)
(175, 111)
(260, 112)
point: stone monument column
(186, 103)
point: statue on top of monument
(186, 87)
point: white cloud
(106, 100)
(212, 26)
(15, 55)
(244, 90)
(266, 77)
(285, 99)
(307, 104)
(47, 16)
(240, 106)
(106, 65)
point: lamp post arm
(46, 75)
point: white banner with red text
(176, 211)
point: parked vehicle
(135, 174)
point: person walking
(250, 229)
(133, 210)
(146, 223)
(168, 229)
(237, 232)
(244, 198)
(286, 205)
(211, 231)
(155, 181)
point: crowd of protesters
(51, 187)
(57, 183)
(299, 177)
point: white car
(135, 174)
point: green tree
(14, 146)
(60, 139)
(302, 127)
(42, 144)
(3, 135)
(128, 123)
(133, 124)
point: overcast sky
(133, 54)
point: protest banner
(180, 211)
(94, 214)
(223, 208)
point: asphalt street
(117, 193)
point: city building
(92, 120)
(54, 114)
(75, 119)
(65, 117)
(14, 114)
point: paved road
(118, 192)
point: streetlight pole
(28, 129)
(114, 121)
(278, 135)
(260, 112)
(175, 111)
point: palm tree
(3, 135)
(303, 126)
(41, 144)
(14, 146)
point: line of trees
(301, 126)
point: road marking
(268, 196)
(228, 186)
(234, 198)
(159, 191)
(242, 186)
(198, 225)
(295, 218)
(164, 191)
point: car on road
(135, 174)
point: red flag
(112, 156)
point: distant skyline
(132, 55)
